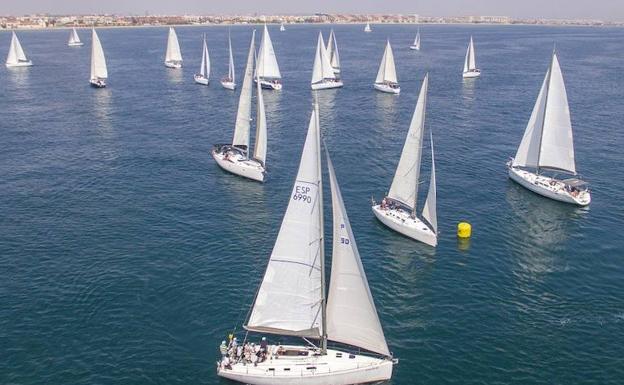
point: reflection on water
(102, 109)
(19, 76)
(175, 76)
(272, 102)
(387, 104)
(326, 101)
(468, 91)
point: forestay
(322, 66)
(267, 61)
(404, 186)
(429, 210)
(351, 314)
(173, 47)
(289, 301)
(387, 71)
(243, 115)
(98, 61)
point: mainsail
(469, 62)
(205, 63)
(404, 186)
(267, 62)
(243, 115)
(290, 298)
(429, 210)
(322, 67)
(387, 71)
(98, 61)
(173, 47)
(332, 50)
(417, 40)
(351, 314)
(548, 140)
(260, 148)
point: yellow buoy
(464, 230)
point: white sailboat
(203, 77)
(386, 80)
(398, 209)
(547, 147)
(470, 65)
(74, 39)
(367, 28)
(332, 52)
(323, 76)
(99, 73)
(282, 28)
(229, 82)
(267, 70)
(235, 157)
(291, 299)
(416, 45)
(16, 56)
(173, 56)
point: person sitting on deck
(223, 349)
(225, 362)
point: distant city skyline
(597, 9)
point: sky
(612, 10)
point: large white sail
(260, 148)
(417, 40)
(73, 37)
(469, 62)
(98, 61)
(173, 47)
(351, 314)
(429, 210)
(322, 66)
(205, 63)
(243, 115)
(548, 140)
(231, 72)
(332, 50)
(387, 71)
(267, 61)
(404, 186)
(289, 301)
(16, 53)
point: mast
(321, 233)
(539, 147)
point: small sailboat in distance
(386, 80)
(235, 157)
(16, 56)
(470, 65)
(292, 301)
(323, 76)
(173, 55)
(547, 147)
(398, 209)
(267, 70)
(229, 82)
(99, 73)
(74, 39)
(332, 52)
(367, 28)
(416, 45)
(282, 28)
(203, 77)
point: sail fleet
(291, 299)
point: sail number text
(302, 193)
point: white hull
(335, 368)
(471, 74)
(386, 88)
(173, 65)
(548, 187)
(228, 85)
(402, 222)
(201, 79)
(19, 64)
(415, 47)
(237, 164)
(75, 44)
(269, 85)
(97, 83)
(326, 85)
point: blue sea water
(126, 254)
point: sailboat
(416, 45)
(173, 56)
(16, 56)
(235, 157)
(547, 147)
(229, 82)
(332, 52)
(398, 209)
(386, 80)
(291, 299)
(74, 39)
(470, 66)
(99, 73)
(367, 28)
(323, 76)
(267, 70)
(282, 28)
(203, 77)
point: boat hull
(471, 74)
(415, 47)
(326, 85)
(387, 89)
(19, 64)
(228, 85)
(201, 79)
(548, 187)
(75, 44)
(270, 85)
(335, 368)
(173, 65)
(237, 164)
(402, 222)
(97, 83)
